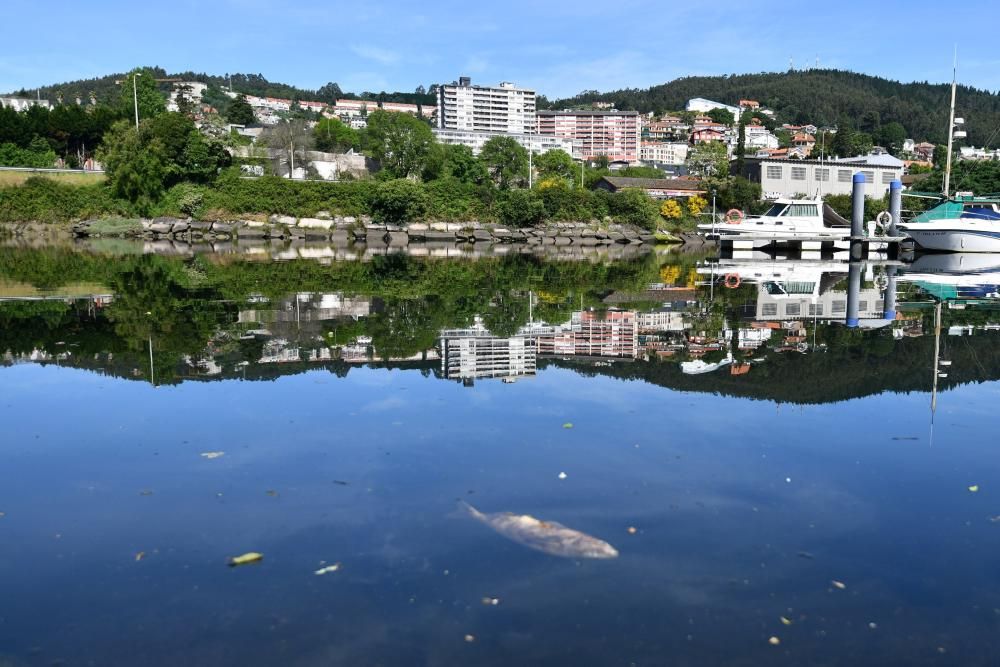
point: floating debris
(245, 559)
(788, 480)
(839, 584)
(806, 555)
(561, 475)
(568, 425)
(272, 493)
(993, 519)
(2, 514)
(139, 556)
(212, 455)
(547, 536)
(974, 488)
(905, 437)
(341, 482)
(490, 602)
(146, 492)
(632, 530)
(774, 641)
(328, 569)
(873, 626)
(470, 638)
(785, 621)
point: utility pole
(135, 98)
(530, 153)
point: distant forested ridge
(106, 88)
(824, 97)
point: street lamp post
(135, 98)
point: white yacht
(787, 220)
(959, 224)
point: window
(839, 306)
(862, 306)
(843, 175)
(879, 305)
(793, 309)
(823, 175)
(816, 309)
(798, 173)
(805, 210)
(773, 172)
(769, 310)
(869, 176)
(888, 177)
(776, 209)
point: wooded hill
(824, 97)
(106, 89)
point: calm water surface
(808, 498)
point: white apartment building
(663, 152)
(536, 143)
(701, 105)
(800, 300)
(25, 103)
(759, 137)
(506, 108)
(473, 353)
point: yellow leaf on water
(568, 425)
(974, 488)
(773, 641)
(250, 557)
(139, 556)
(785, 621)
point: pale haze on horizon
(558, 48)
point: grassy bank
(12, 178)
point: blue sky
(555, 46)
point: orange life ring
(732, 280)
(734, 216)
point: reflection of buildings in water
(309, 307)
(614, 333)
(474, 353)
(793, 300)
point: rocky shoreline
(349, 230)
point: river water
(781, 489)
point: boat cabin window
(803, 210)
(773, 288)
(776, 210)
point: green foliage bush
(520, 208)
(399, 201)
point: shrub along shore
(398, 201)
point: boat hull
(956, 240)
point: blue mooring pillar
(889, 299)
(857, 216)
(853, 294)
(895, 206)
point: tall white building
(506, 108)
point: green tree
(556, 164)
(722, 116)
(708, 160)
(506, 160)
(331, 135)
(151, 100)
(737, 192)
(400, 142)
(892, 136)
(240, 112)
(460, 163)
(135, 169)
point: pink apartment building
(614, 134)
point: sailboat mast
(951, 127)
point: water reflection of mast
(937, 357)
(152, 378)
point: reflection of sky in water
(725, 543)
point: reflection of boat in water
(699, 367)
(956, 277)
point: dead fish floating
(549, 537)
